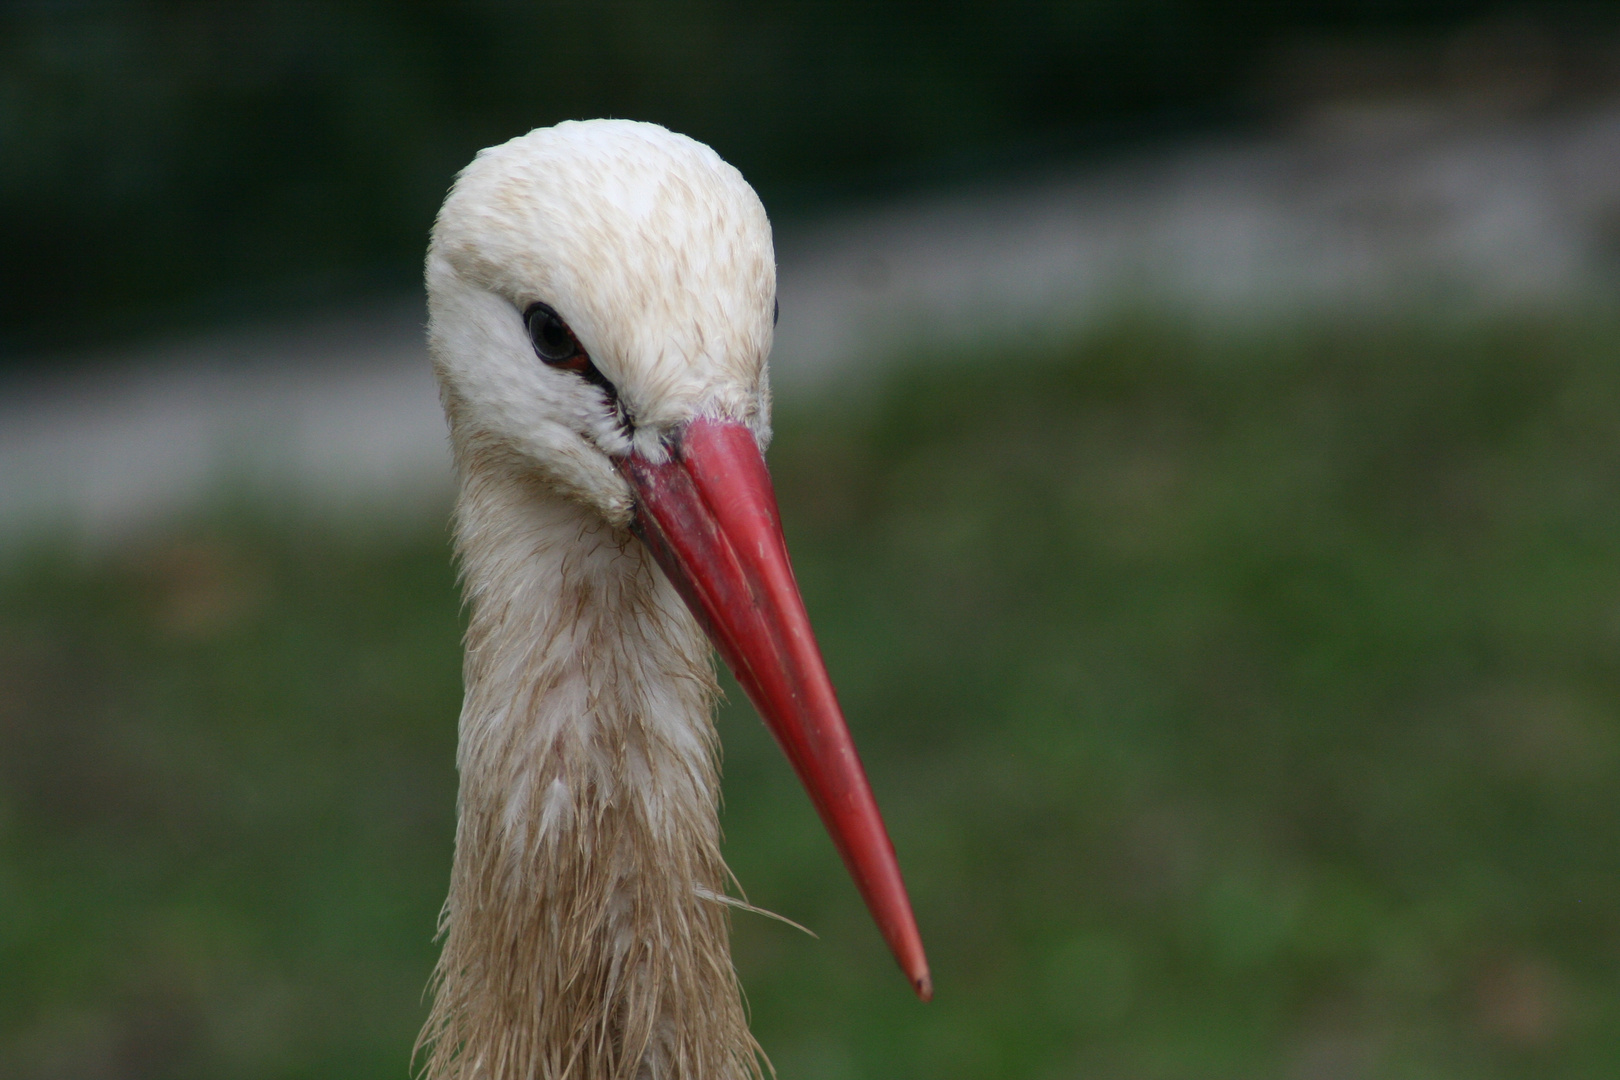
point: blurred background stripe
(1390, 208)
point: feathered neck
(584, 937)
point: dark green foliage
(1240, 709)
(165, 161)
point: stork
(602, 299)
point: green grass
(1240, 708)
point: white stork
(601, 300)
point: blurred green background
(1241, 708)
(1243, 701)
(165, 162)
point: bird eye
(553, 341)
(776, 311)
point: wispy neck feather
(582, 937)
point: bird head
(602, 296)
(594, 287)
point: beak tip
(924, 985)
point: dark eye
(776, 311)
(553, 341)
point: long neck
(583, 937)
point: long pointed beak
(709, 516)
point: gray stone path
(1358, 210)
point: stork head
(602, 297)
(593, 288)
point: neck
(583, 934)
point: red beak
(708, 514)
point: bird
(601, 307)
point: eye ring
(554, 343)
